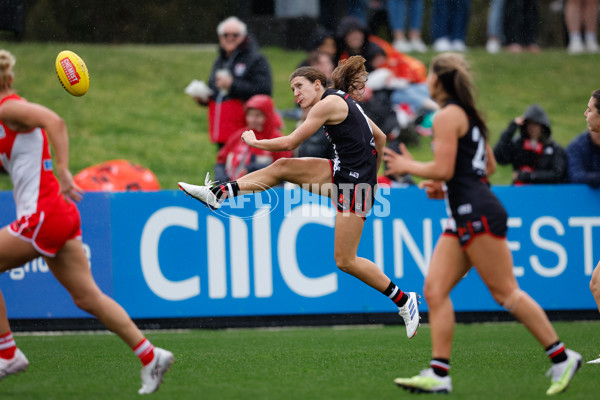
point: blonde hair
(7, 62)
(453, 73)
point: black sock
(225, 190)
(440, 366)
(556, 352)
(397, 295)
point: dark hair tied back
(453, 73)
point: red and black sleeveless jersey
(355, 155)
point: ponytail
(350, 76)
(453, 73)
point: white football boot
(426, 382)
(13, 366)
(563, 372)
(203, 194)
(152, 374)
(410, 313)
(596, 361)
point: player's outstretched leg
(152, 374)
(563, 372)
(205, 194)
(410, 313)
(13, 365)
(426, 382)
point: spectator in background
(323, 41)
(238, 73)
(582, 14)
(236, 158)
(449, 22)
(521, 25)
(320, 41)
(495, 34)
(583, 153)
(398, 10)
(394, 78)
(535, 157)
(323, 61)
(321, 50)
(329, 11)
(353, 39)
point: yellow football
(72, 73)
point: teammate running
(476, 231)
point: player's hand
(249, 138)
(433, 189)
(397, 164)
(68, 188)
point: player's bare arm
(331, 110)
(490, 167)
(380, 140)
(449, 124)
(23, 117)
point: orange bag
(402, 65)
(116, 176)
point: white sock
(590, 37)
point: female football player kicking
(349, 179)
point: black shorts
(494, 223)
(351, 196)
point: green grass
(491, 361)
(136, 109)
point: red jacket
(237, 157)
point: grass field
(136, 108)
(490, 361)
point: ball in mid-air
(72, 73)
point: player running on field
(48, 225)
(476, 231)
(349, 179)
